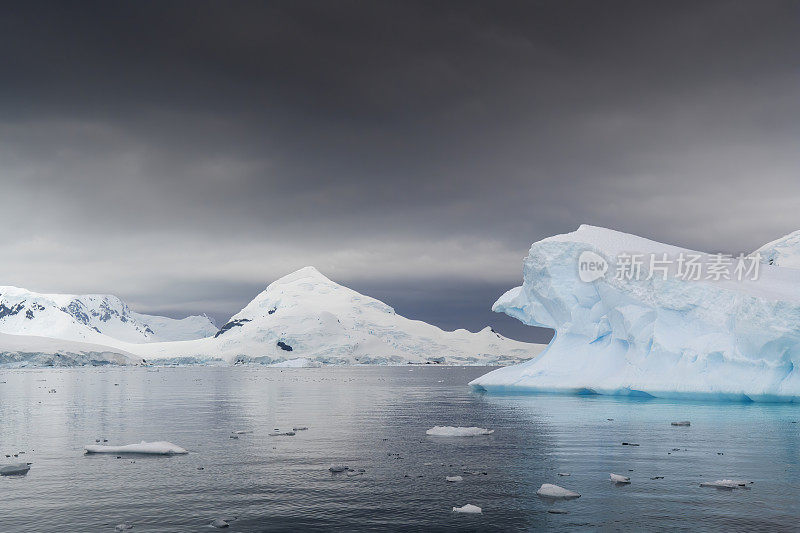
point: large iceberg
(661, 334)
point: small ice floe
(300, 428)
(564, 474)
(555, 492)
(19, 469)
(149, 448)
(220, 523)
(468, 508)
(450, 431)
(123, 527)
(681, 423)
(727, 484)
(616, 478)
(454, 479)
(338, 468)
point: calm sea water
(375, 419)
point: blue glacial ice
(661, 335)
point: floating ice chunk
(454, 479)
(729, 484)
(469, 508)
(616, 478)
(338, 468)
(150, 448)
(240, 432)
(19, 469)
(123, 527)
(681, 423)
(220, 523)
(450, 431)
(554, 491)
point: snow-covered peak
(90, 318)
(783, 252)
(306, 315)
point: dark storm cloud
(185, 154)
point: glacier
(655, 336)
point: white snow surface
(149, 448)
(306, 316)
(783, 252)
(91, 318)
(450, 431)
(673, 338)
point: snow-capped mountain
(306, 315)
(667, 336)
(94, 318)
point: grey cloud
(184, 154)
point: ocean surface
(375, 418)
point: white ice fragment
(15, 470)
(454, 479)
(616, 478)
(450, 431)
(554, 491)
(150, 448)
(468, 508)
(729, 484)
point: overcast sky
(183, 155)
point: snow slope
(91, 318)
(27, 350)
(306, 315)
(783, 252)
(674, 338)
